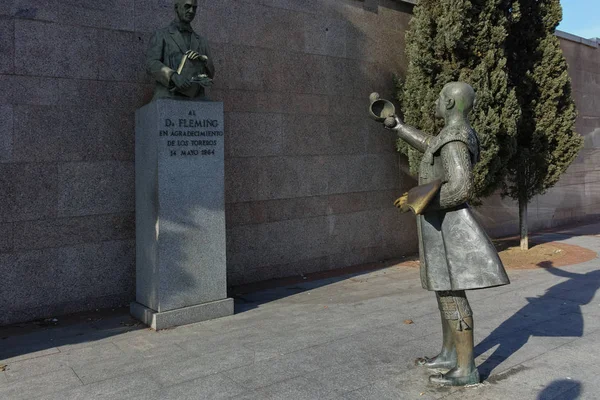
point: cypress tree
(463, 40)
(546, 142)
(525, 115)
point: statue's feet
(456, 377)
(437, 362)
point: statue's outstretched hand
(391, 122)
(401, 203)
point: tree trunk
(523, 225)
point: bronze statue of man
(455, 252)
(169, 46)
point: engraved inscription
(191, 137)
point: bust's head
(456, 98)
(186, 10)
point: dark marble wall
(310, 180)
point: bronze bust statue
(178, 58)
(455, 252)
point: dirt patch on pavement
(543, 255)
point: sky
(581, 18)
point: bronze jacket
(455, 251)
(166, 49)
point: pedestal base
(181, 263)
(182, 316)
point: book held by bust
(193, 70)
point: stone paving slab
(80, 357)
(27, 388)
(350, 337)
(138, 384)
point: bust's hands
(180, 82)
(401, 203)
(193, 55)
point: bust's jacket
(166, 49)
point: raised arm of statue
(457, 186)
(382, 110)
(415, 138)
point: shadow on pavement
(563, 389)
(252, 296)
(41, 337)
(555, 314)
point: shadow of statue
(557, 313)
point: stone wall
(576, 197)
(310, 180)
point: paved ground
(338, 338)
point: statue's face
(186, 10)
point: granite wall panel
(259, 212)
(305, 134)
(307, 6)
(66, 279)
(37, 131)
(325, 36)
(253, 69)
(96, 94)
(152, 14)
(59, 232)
(29, 191)
(253, 134)
(6, 237)
(88, 188)
(45, 10)
(280, 242)
(7, 45)
(271, 27)
(110, 14)
(6, 132)
(34, 90)
(56, 50)
(215, 19)
(276, 102)
(122, 56)
(71, 134)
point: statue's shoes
(435, 362)
(445, 380)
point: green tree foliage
(525, 114)
(547, 142)
(462, 40)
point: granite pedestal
(180, 214)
